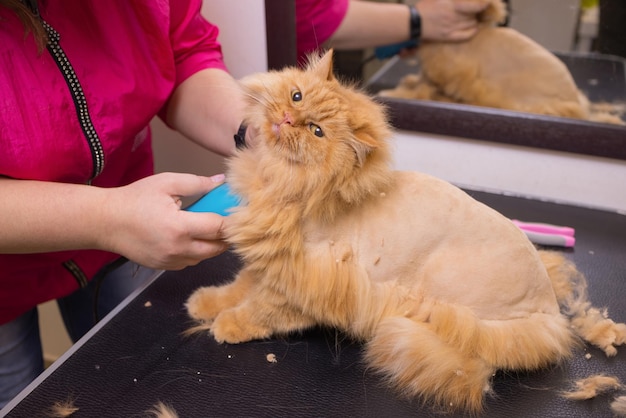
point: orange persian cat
(442, 289)
(499, 67)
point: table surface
(139, 356)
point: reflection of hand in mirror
(448, 20)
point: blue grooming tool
(219, 200)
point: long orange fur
(442, 290)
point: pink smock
(123, 60)
(316, 22)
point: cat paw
(203, 304)
(227, 328)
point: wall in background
(546, 175)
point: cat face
(307, 117)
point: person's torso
(79, 110)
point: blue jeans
(21, 356)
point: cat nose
(287, 119)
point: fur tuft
(593, 386)
(591, 324)
(618, 406)
(62, 409)
(161, 410)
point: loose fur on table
(618, 406)
(64, 409)
(161, 410)
(442, 289)
(500, 67)
(592, 386)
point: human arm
(206, 104)
(141, 221)
(208, 109)
(449, 20)
(368, 24)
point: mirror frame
(458, 120)
(508, 127)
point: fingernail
(218, 178)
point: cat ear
(324, 67)
(494, 13)
(363, 144)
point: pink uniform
(316, 21)
(78, 112)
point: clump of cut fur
(63, 409)
(592, 386)
(618, 406)
(330, 235)
(500, 67)
(161, 410)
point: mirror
(490, 124)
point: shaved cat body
(442, 290)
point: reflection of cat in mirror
(501, 68)
(443, 290)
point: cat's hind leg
(420, 364)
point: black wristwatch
(415, 24)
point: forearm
(142, 221)
(41, 216)
(208, 109)
(369, 24)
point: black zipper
(84, 119)
(80, 103)
(76, 91)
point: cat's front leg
(259, 317)
(207, 302)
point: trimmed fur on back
(502, 68)
(442, 289)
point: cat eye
(296, 96)
(317, 131)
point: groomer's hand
(449, 20)
(146, 223)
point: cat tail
(421, 365)
(588, 322)
(602, 112)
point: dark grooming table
(139, 356)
